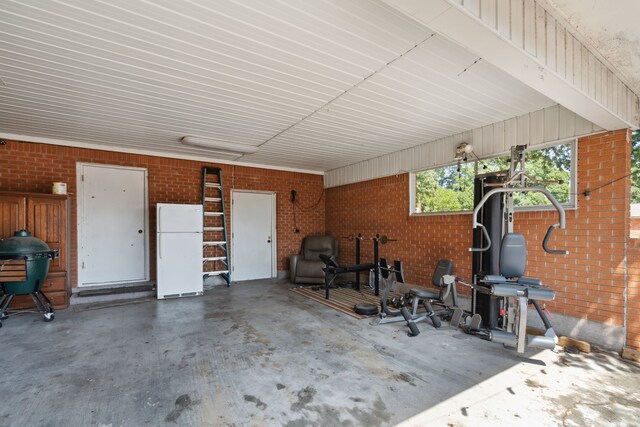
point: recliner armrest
(293, 264)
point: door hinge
(83, 265)
(82, 177)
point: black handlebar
(546, 240)
(487, 238)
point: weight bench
(332, 270)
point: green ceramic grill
(36, 255)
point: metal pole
(358, 239)
(375, 265)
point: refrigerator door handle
(159, 218)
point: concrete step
(107, 293)
(78, 308)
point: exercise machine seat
(443, 268)
(513, 261)
(513, 255)
(306, 267)
(425, 297)
(424, 294)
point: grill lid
(24, 245)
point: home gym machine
(500, 292)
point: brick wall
(381, 206)
(635, 227)
(590, 281)
(29, 167)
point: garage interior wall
(591, 282)
(32, 167)
(599, 280)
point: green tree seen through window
(635, 167)
(450, 189)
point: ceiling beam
(610, 108)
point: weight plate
(366, 309)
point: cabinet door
(12, 215)
(47, 220)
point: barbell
(382, 239)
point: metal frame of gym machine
(503, 307)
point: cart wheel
(48, 317)
(0, 324)
(3, 315)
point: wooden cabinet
(46, 217)
(12, 214)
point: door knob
(140, 231)
(269, 239)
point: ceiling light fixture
(216, 145)
(462, 150)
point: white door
(112, 232)
(253, 235)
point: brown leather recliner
(306, 267)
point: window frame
(572, 204)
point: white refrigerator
(179, 250)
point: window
(450, 188)
(634, 229)
(635, 167)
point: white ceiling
(316, 84)
(611, 27)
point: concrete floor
(258, 354)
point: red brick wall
(381, 206)
(30, 167)
(590, 281)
